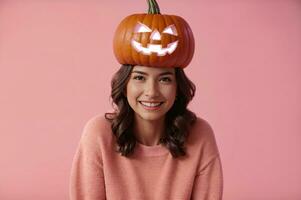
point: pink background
(56, 63)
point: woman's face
(151, 91)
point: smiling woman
(151, 89)
(147, 99)
(152, 147)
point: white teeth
(150, 104)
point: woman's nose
(151, 89)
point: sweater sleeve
(86, 178)
(208, 184)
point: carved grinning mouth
(155, 48)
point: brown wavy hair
(179, 118)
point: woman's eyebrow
(139, 72)
(166, 73)
(144, 73)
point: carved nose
(155, 35)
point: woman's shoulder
(202, 134)
(98, 122)
(202, 143)
(97, 126)
(202, 126)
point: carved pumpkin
(154, 40)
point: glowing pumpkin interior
(155, 36)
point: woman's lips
(150, 105)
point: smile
(151, 106)
(155, 48)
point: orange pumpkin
(154, 40)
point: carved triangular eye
(171, 29)
(142, 28)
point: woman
(151, 147)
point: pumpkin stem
(153, 7)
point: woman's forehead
(152, 70)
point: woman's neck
(148, 132)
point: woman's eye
(166, 79)
(138, 78)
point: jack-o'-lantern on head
(154, 39)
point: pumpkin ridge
(135, 54)
(133, 60)
(128, 36)
(180, 38)
(186, 50)
(120, 49)
(190, 44)
(162, 25)
(152, 57)
(138, 55)
(167, 22)
(145, 60)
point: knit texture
(98, 172)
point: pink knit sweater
(151, 173)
